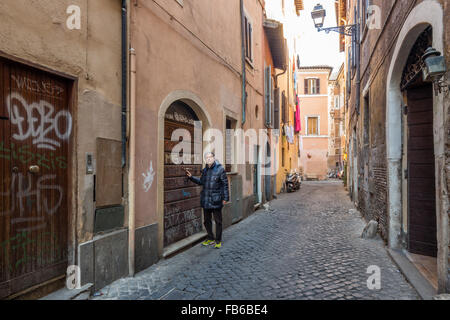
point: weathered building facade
(92, 112)
(61, 190)
(287, 152)
(336, 147)
(205, 81)
(313, 89)
(398, 126)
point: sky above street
(317, 48)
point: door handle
(34, 169)
(15, 170)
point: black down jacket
(215, 186)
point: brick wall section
(447, 162)
(377, 49)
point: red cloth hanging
(298, 123)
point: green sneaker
(218, 245)
(208, 242)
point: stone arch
(197, 105)
(427, 13)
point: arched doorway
(423, 15)
(418, 154)
(182, 211)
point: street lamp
(352, 30)
(434, 69)
(318, 15)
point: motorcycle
(332, 175)
(293, 181)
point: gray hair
(211, 153)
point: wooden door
(421, 172)
(36, 126)
(182, 211)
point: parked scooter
(293, 181)
(332, 175)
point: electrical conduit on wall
(131, 174)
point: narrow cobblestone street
(307, 246)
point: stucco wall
(190, 52)
(316, 165)
(36, 32)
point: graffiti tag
(22, 190)
(25, 156)
(41, 87)
(148, 178)
(38, 120)
(19, 245)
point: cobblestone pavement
(307, 246)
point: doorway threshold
(427, 266)
(183, 244)
(413, 274)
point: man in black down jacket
(213, 196)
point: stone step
(83, 293)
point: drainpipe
(280, 74)
(131, 173)
(124, 82)
(244, 80)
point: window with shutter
(283, 107)
(248, 38)
(312, 86)
(313, 126)
(246, 35)
(272, 100)
(354, 46)
(349, 83)
(268, 96)
(276, 118)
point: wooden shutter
(265, 96)
(276, 124)
(317, 86)
(306, 86)
(267, 93)
(246, 36)
(349, 81)
(250, 36)
(283, 107)
(272, 102)
(313, 126)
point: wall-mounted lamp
(434, 69)
(318, 15)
